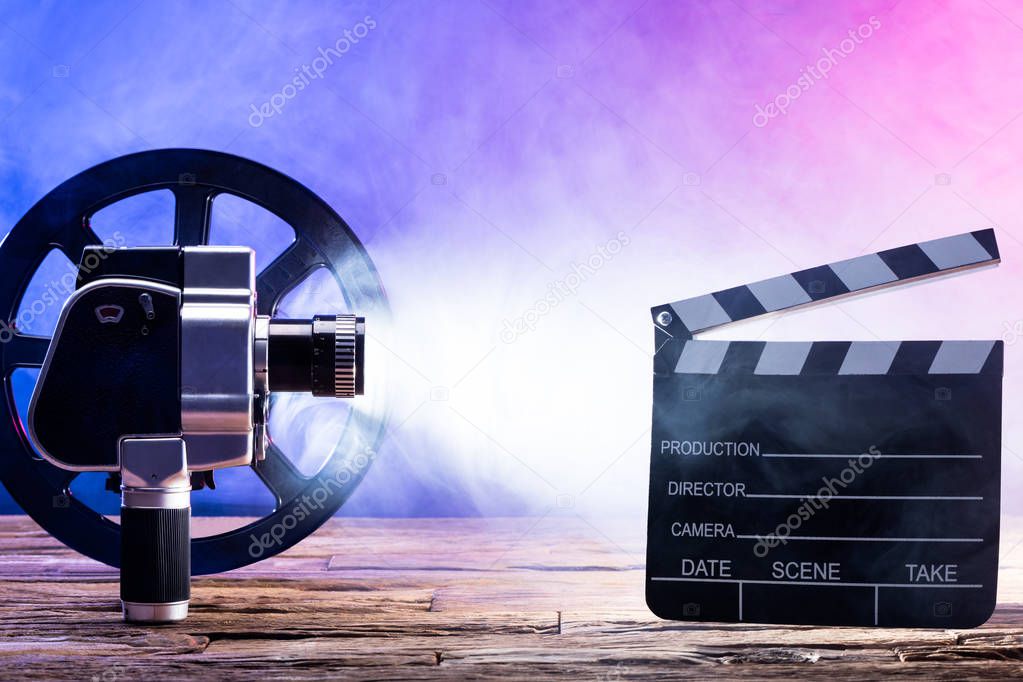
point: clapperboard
(829, 483)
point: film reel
(61, 220)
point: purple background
(483, 150)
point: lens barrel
(323, 356)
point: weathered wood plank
(447, 598)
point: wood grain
(447, 598)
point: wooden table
(454, 598)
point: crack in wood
(991, 653)
(772, 656)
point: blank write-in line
(809, 583)
(855, 539)
(866, 497)
(784, 455)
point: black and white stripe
(847, 358)
(910, 262)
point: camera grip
(155, 563)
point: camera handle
(155, 535)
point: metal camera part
(218, 305)
(61, 221)
(323, 355)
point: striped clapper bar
(829, 483)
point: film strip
(825, 482)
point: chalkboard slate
(831, 483)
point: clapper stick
(853, 276)
(825, 482)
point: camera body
(155, 343)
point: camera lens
(322, 356)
